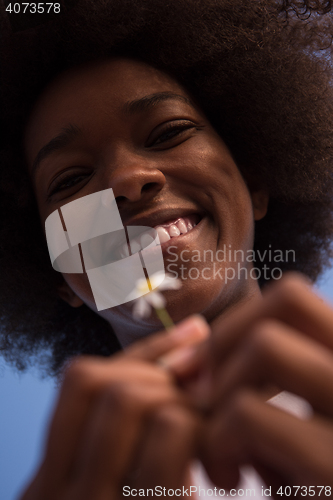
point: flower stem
(164, 317)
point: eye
(67, 180)
(170, 132)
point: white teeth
(124, 251)
(135, 245)
(173, 230)
(146, 240)
(182, 226)
(163, 234)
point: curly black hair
(261, 71)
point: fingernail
(193, 328)
(177, 358)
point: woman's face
(127, 126)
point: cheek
(242, 215)
(80, 285)
(239, 232)
(232, 205)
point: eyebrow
(151, 100)
(71, 132)
(67, 135)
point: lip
(182, 241)
(163, 217)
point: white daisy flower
(152, 298)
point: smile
(169, 230)
(177, 227)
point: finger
(170, 445)
(86, 376)
(248, 430)
(290, 300)
(190, 331)
(112, 435)
(276, 354)
(185, 362)
(84, 380)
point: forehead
(93, 89)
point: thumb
(191, 331)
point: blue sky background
(26, 404)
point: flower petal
(156, 300)
(156, 279)
(142, 286)
(141, 308)
(170, 283)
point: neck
(243, 292)
(128, 331)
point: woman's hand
(286, 341)
(121, 422)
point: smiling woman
(211, 122)
(141, 135)
(270, 117)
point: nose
(135, 182)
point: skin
(148, 171)
(115, 416)
(284, 340)
(124, 420)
